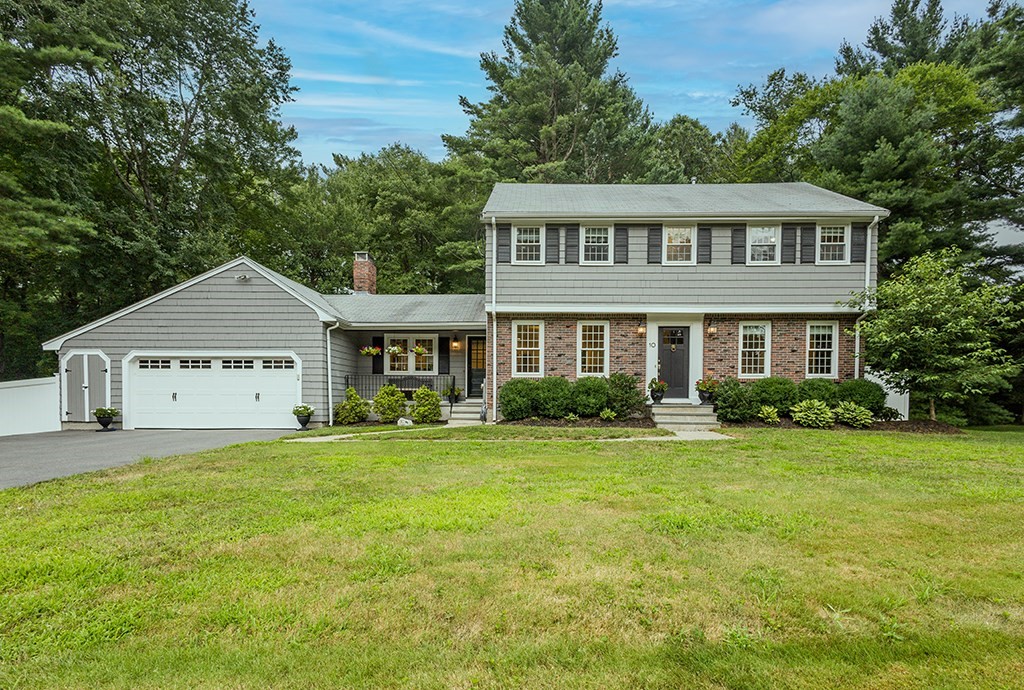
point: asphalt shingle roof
(614, 201)
(364, 309)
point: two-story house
(669, 281)
(675, 281)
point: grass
(794, 558)
(489, 432)
(345, 429)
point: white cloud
(353, 78)
(381, 105)
(397, 38)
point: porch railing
(367, 385)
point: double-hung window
(822, 344)
(410, 354)
(755, 349)
(529, 247)
(833, 244)
(679, 245)
(592, 348)
(763, 244)
(596, 246)
(527, 348)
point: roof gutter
(857, 364)
(330, 374)
(670, 216)
(494, 319)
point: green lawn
(781, 559)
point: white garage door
(213, 393)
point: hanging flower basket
(369, 351)
(395, 350)
(419, 350)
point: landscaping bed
(586, 422)
(910, 426)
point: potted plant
(105, 415)
(706, 389)
(418, 350)
(302, 413)
(657, 387)
(369, 351)
(395, 350)
(452, 393)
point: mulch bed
(588, 422)
(909, 426)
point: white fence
(897, 401)
(29, 406)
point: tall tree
(557, 114)
(913, 32)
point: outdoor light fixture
(641, 327)
(712, 331)
(242, 277)
(456, 343)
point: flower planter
(657, 396)
(105, 423)
(705, 397)
(303, 421)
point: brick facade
(788, 348)
(364, 274)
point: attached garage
(203, 390)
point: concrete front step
(685, 417)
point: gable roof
(310, 298)
(614, 201)
(363, 310)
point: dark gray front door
(674, 360)
(476, 355)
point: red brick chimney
(364, 274)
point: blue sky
(371, 73)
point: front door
(674, 360)
(476, 356)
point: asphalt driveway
(37, 457)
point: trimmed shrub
(353, 410)
(517, 399)
(776, 391)
(817, 389)
(888, 414)
(852, 414)
(426, 407)
(625, 398)
(867, 394)
(590, 396)
(608, 415)
(554, 397)
(389, 403)
(768, 415)
(733, 402)
(812, 413)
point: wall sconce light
(456, 343)
(641, 327)
(712, 331)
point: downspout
(330, 374)
(873, 225)
(494, 320)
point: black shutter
(572, 244)
(504, 244)
(808, 241)
(621, 244)
(703, 245)
(378, 360)
(859, 243)
(788, 244)
(654, 244)
(551, 250)
(739, 245)
(443, 355)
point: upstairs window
(755, 349)
(822, 337)
(832, 244)
(529, 249)
(596, 249)
(592, 348)
(763, 245)
(527, 348)
(679, 245)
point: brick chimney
(364, 274)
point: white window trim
(411, 338)
(835, 350)
(579, 348)
(543, 243)
(583, 244)
(664, 245)
(515, 350)
(767, 350)
(778, 245)
(817, 244)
